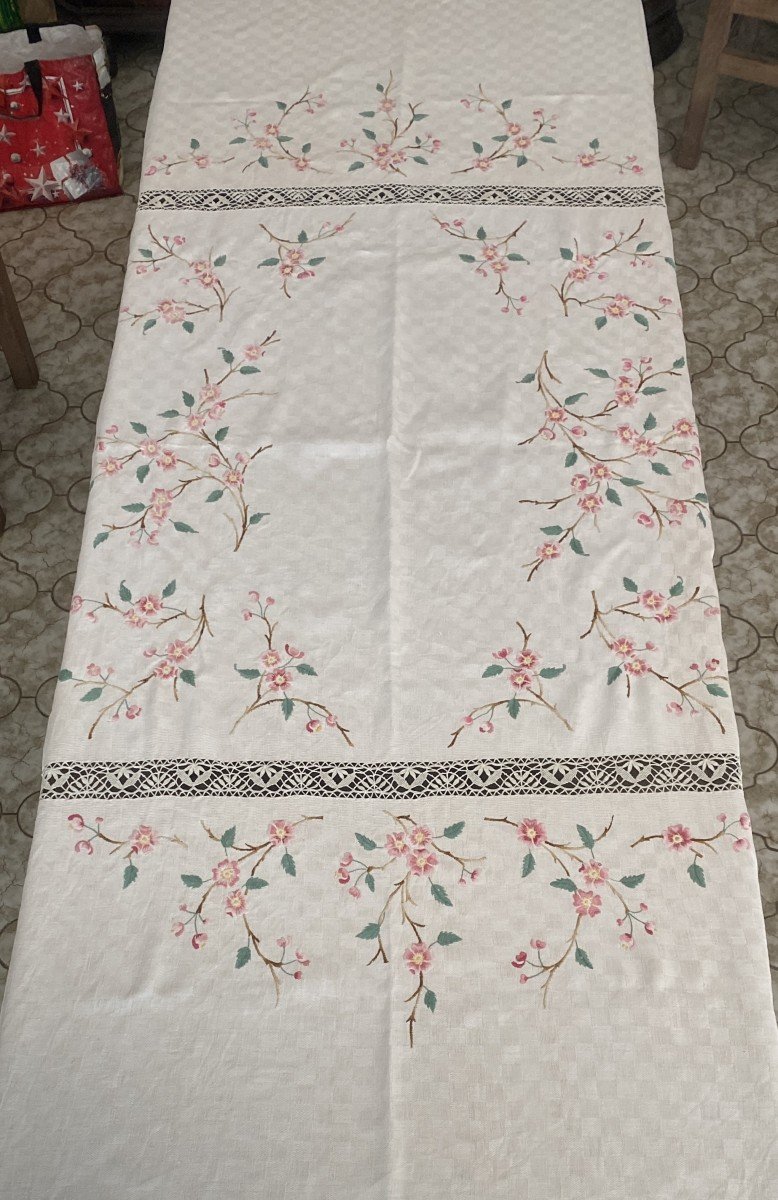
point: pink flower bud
(76, 821)
(745, 821)
(199, 940)
(741, 844)
(84, 848)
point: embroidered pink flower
(270, 659)
(619, 306)
(278, 680)
(167, 460)
(685, 427)
(591, 503)
(521, 679)
(519, 960)
(528, 659)
(594, 873)
(236, 903)
(549, 550)
(623, 646)
(166, 670)
(677, 837)
(111, 466)
(418, 958)
(627, 941)
(171, 312)
(178, 651)
(587, 904)
(226, 873)
(132, 711)
(653, 601)
(532, 832)
(579, 483)
(143, 839)
(280, 832)
(419, 836)
(422, 862)
(637, 667)
(396, 845)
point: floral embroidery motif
(651, 605)
(195, 155)
(140, 842)
(414, 853)
(273, 139)
(586, 269)
(228, 882)
(207, 462)
(679, 838)
(525, 679)
(492, 260)
(291, 254)
(516, 141)
(593, 156)
(390, 145)
(591, 885)
(277, 674)
(180, 310)
(166, 666)
(597, 475)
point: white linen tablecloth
(392, 840)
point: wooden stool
(13, 336)
(716, 58)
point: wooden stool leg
(13, 336)
(714, 41)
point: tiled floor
(67, 266)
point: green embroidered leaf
(367, 114)
(582, 958)
(306, 147)
(659, 468)
(227, 839)
(481, 233)
(629, 584)
(650, 422)
(248, 672)
(144, 253)
(288, 864)
(571, 459)
(696, 874)
(370, 932)
(356, 166)
(64, 675)
(256, 517)
(92, 694)
(194, 144)
(566, 253)
(653, 391)
(192, 881)
(430, 1000)
(169, 589)
(187, 676)
(269, 262)
(188, 399)
(642, 247)
(551, 672)
(631, 881)
(138, 427)
(586, 838)
(715, 689)
(221, 434)
(134, 508)
(369, 134)
(577, 548)
(315, 262)
(702, 496)
(280, 104)
(142, 472)
(254, 883)
(243, 956)
(237, 141)
(468, 258)
(551, 530)
(528, 378)
(565, 884)
(440, 894)
(613, 496)
(677, 587)
(613, 674)
(492, 669)
(149, 324)
(247, 369)
(302, 237)
(600, 322)
(453, 831)
(263, 162)
(625, 481)
(599, 372)
(213, 496)
(305, 668)
(130, 875)
(516, 258)
(124, 593)
(287, 707)
(420, 117)
(679, 362)
(220, 261)
(547, 138)
(506, 103)
(594, 144)
(365, 842)
(447, 939)
(641, 319)
(182, 527)
(169, 413)
(188, 327)
(574, 399)
(99, 539)
(478, 147)
(528, 865)
(370, 881)
(514, 707)
(702, 520)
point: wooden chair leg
(714, 40)
(13, 336)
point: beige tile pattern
(67, 266)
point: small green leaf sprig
(602, 481)
(680, 840)
(200, 272)
(491, 258)
(292, 258)
(584, 268)
(273, 140)
(234, 880)
(411, 855)
(521, 670)
(114, 699)
(518, 141)
(590, 884)
(277, 675)
(140, 842)
(392, 137)
(690, 696)
(197, 424)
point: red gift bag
(58, 130)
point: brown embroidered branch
(178, 310)
(493, 260)
(273, 139)
(291, 257)
(387, 143)
(514, 140)
(588, 267)
(679, 839)
(140, 842)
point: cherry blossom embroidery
(140, 842)
(195, 155)
(524, 678)
(179, 309)
(593, 156)
(232, 882)
(520, 142)
(167, 666)
(394, 140)
(680, 840)
(278, 140)
(277, 675)
(492, 260)
(602, 475)
(413, 858)
(633, 659)
(592, 887)
(291, 258)
(586, 271)
(200, 456)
